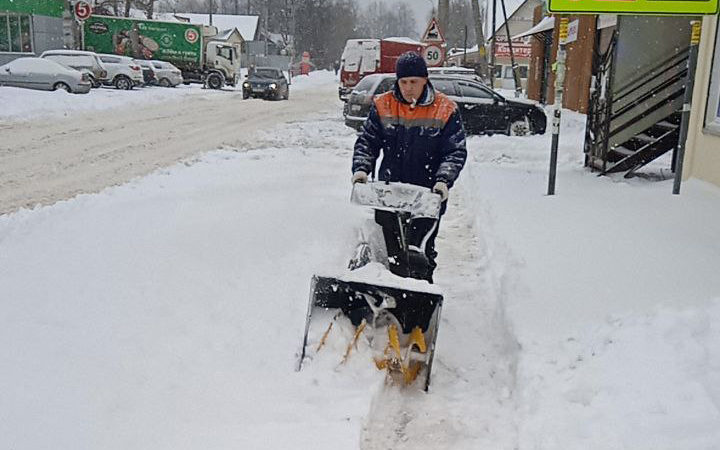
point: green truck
(185, 45)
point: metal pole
(516, 75)
(492, 47)
(465, 49)
(687, 103)
(559, 81)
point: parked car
(123, 72)
(43, 74)
(266, 82)
(454, 70)
(147, 70)
(88, 62)
(483, 110)
(167, 74)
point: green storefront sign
(52, 8)
(657, 7)
(177, 43)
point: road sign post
(82, 11)
(557, 111)
(434, 51)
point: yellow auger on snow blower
(398, 317)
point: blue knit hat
(411, 64)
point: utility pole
(559, 85)
(492, 47)
(444, 15)
(515, 67)
(480, 40)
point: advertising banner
(177, 43)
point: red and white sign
(433, 33)
(83, 10)
(191, 35)
(434, 55)
(522, 47)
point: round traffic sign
(83, 10)
(434, 55)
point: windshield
(267, 73)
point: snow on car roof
(39, 65)
(69, 52)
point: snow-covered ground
(167, 312)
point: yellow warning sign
(633, 7)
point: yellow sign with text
(659, 7)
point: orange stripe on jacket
(394, 112)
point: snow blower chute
(398, 317)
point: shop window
(15, 33)
(712, 119)
(497, 70)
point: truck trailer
(363, 57)
(187, 46)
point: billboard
(175, 42)
(522, 47)
(691, 7)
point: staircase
(634, 121)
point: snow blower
(398, 317)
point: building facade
(29, 27)
(702, 157)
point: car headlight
(273, 86)
(246, 85)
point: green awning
(52, 8)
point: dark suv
(266, 82)
(483, 110)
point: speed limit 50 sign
(434, 55)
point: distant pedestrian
(336, 66)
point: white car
(123, 72)
(43, 74)
(86, 62)
(167, 75)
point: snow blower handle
(415, 200)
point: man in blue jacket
(421, 136)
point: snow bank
(609, 289)
(167, 313)
(314, 79)
(20, 104)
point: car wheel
(62, 86)
(165, 82)
(214, 81)
(123, 83)
(519, 128)
(95, 83)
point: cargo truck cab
(222, 64)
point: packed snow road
(46, 159)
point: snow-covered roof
(459, 51)
(224, 35)
(548, 23)
(246, 25)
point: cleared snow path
(470, 404)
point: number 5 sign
(83, 10)
(434, 55)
